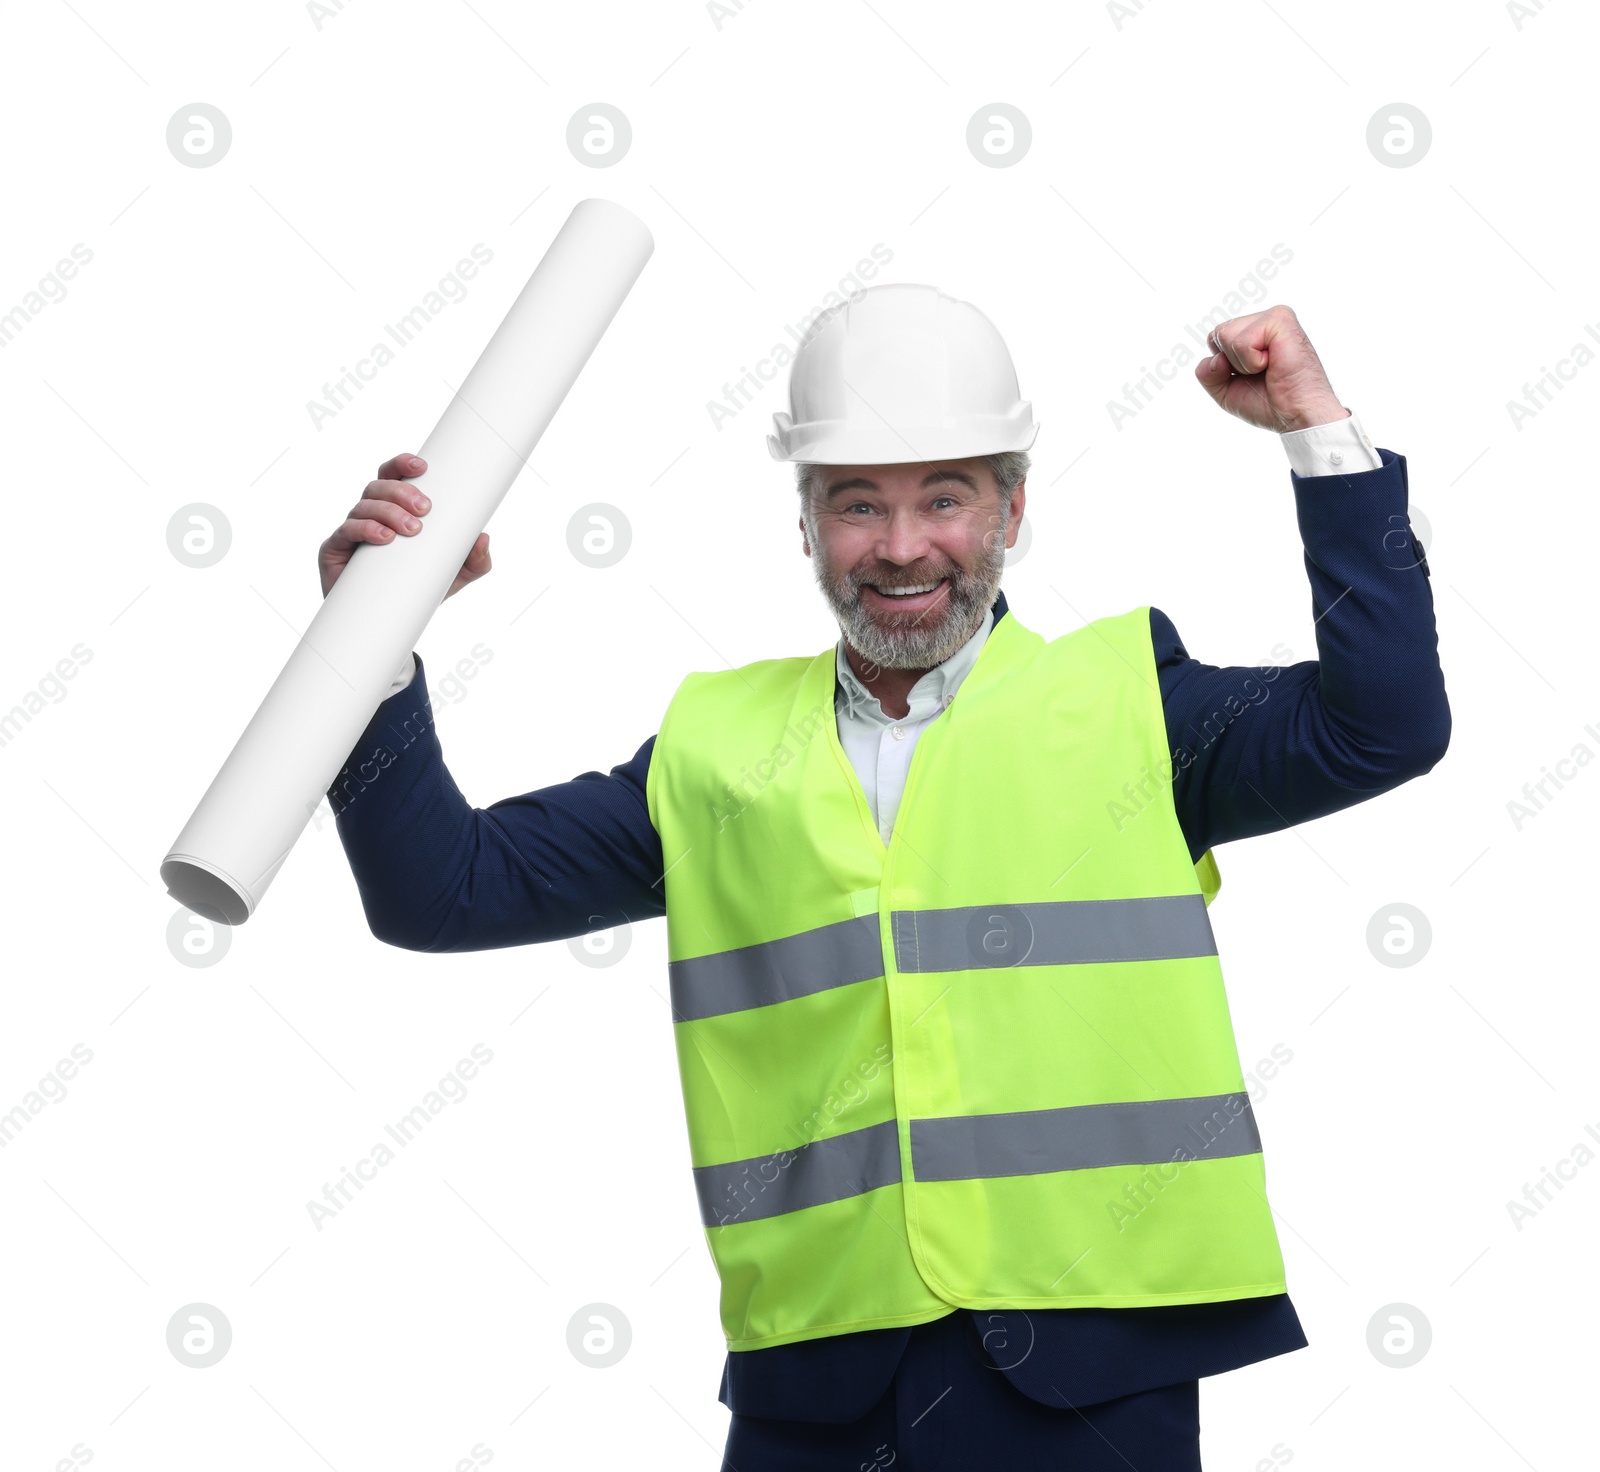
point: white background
(770, 153)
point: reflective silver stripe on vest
(776, 970)
(1052, 933)
(1030, 1142)
(825, 1170)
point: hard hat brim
(852, 442)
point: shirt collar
(932, 692)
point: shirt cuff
(1340, 448)
(405, 677)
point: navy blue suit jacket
(436, 874)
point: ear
(805, 546)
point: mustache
(859, 581)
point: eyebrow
(860, 482)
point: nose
(904, 539)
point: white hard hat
(898, 373)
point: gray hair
(1009, 468)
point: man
(999, 1193)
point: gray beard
(915, 641)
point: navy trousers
(949, 1408)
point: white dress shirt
(880, 746)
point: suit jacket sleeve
(1261, 747)
(438, 874)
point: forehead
(905, 479)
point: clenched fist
(1265, 370)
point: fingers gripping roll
(302, 733)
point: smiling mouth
(914, 596)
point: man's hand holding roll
(390, 506)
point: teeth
(907, 592)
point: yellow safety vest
(990, 1065)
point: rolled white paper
(304, 730)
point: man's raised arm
(436, 873)
(1256, 748)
